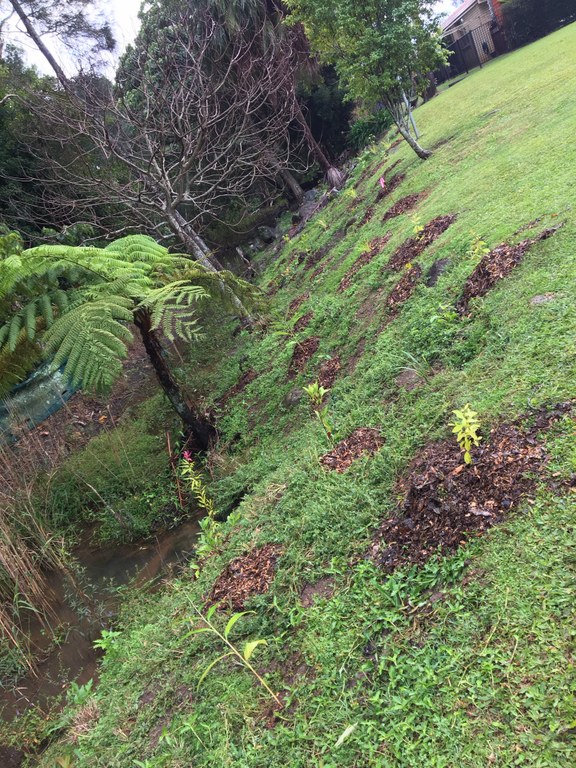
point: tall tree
(69, 22)
(380, 49)
(79, 302)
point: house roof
(455, 15)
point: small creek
(79, 622)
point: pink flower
(187, 456)
(382, 182)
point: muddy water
(79, 621)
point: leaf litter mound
(414, 246)
(246, 378)
(303, 321)
(296, 303)
(403, 289)
(496, 265)
(361, 441)
(329, 370)
(403, 205)
(303, 351)
(375, 246)
(445, 501)
(250, 574)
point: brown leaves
(362, 440)
(250, 574)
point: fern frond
(90, 340)
(171, 309)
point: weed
(242, 657)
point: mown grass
(468, 660)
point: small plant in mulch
(329, 370)
(414, 246)
(366, 257)
(303, 321)
(250, 574)
(246, 378)
(445, 500)
(465, 426)
(364, 440)
(303, 351)
(403, 205)
(403, 289)
(296, 303)
(496, 265)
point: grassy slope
(485, 675)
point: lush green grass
(469, 660)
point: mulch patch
(296, 303)
(401, 206)
(376, 246)
(390, 186)
(371, 171)
(367, 216)
(403, 290)
(370, 306)
(250, 574)
(446, 501)
(303, 351)
(414, 246)
(329, 370)
(246, 378)
(496, 265)
(316, 256)
(303, 321)
(362, 440)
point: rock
(543, 298)
(437, 269)
(310, 195)
(409, 379)
(267, 234)
(293, 397)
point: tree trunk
(193, 241)
(422, 153)
(334, 177)
(59, 72)
(202, 431)
(291, 184)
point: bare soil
(414, 246)
(361, 441)
(323, 589)
(496, 265)
(303, 351)
(445, 501)
(376, 245)
(250, 574)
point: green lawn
(469, 660)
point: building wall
(477, 16)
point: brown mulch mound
(240, 386)
(376, 246)
(303, 321)
(414, 246)
(446, 501)
(329, 370)
(496, 265)
(316, 256)
(403, 205)
(318, 271)
(296, 303)
(391, 185)
(362, 440)
(250, 574)
(371, 171)
(303, 351)
(367, 216)
(403, 290)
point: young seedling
(465, 426)
(241, 656)
(317, 393)
(211, 536)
